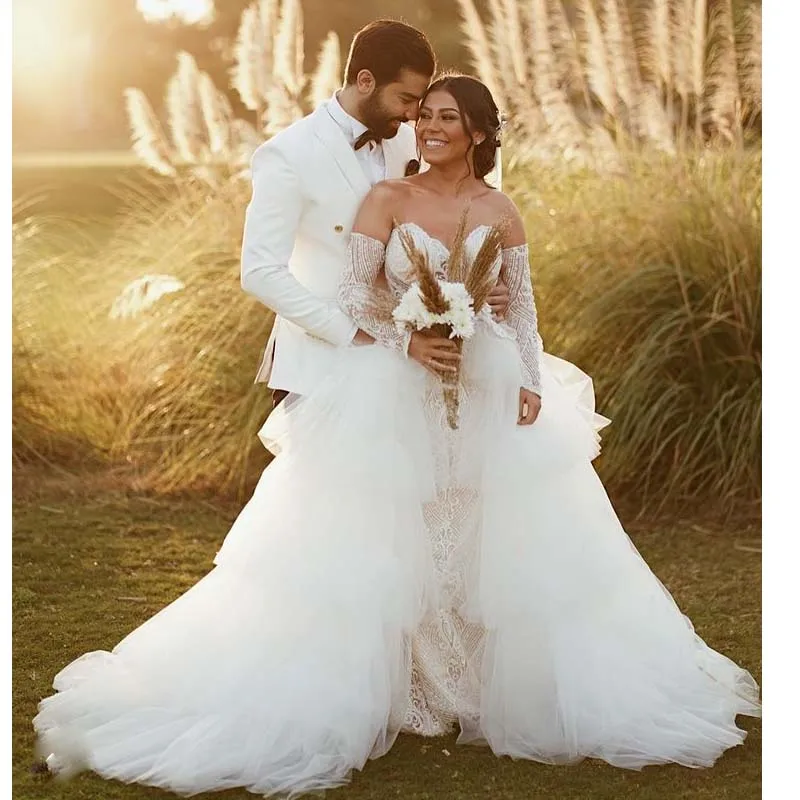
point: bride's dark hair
(479, 114)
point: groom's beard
(378, 119)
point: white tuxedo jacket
(307, 188)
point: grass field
(90, 564)
(84, 185)
(662, 264)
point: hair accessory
(498, 134)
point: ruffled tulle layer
(289, 664)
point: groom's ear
(365, 82)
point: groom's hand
(530, 404)
(498, 300)
(435, 353)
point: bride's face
(443, 133)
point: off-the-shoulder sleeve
(521, 315)
(357, 292)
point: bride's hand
(529, 406)
(436, 354)
(498, 300)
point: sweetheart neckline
(433, 238)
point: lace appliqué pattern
(357, 293)
(446, 649)
(521, 316)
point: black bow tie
(367, 136)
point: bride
(391, 573)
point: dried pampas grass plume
(583, 81)
(149, 142)
(245, 141)
(751, 57)
(723, 102)
(559, 114)
(251, 75)
(513, 28)
(480, 49)
(183, 110)
(432, 295)
(457, 262)
(481, 279)
(566, 51)
(598, 67)
(657, 52)
(503, 49)
(284, 109)
(681, 49)
(289, 51)
(327, 77)
(217, 115)
(621, 54)
(244, 72)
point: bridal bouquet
(448, 307)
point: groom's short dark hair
(385, 47)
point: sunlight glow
(189, 12)
(44, 39)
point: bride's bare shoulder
(505, 210)
(381, 206)
(501, 203)
(398, 188)
(387, 194)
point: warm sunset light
(43, 40)
(189, 12)
(296, 472)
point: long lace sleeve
(521, 316)
(358, 297)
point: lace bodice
(399, 272)
(367, 256)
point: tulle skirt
(294, 660)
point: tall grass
(649, 281)
(269, 76)
(585, 82)
(652, 283)
(192, 424)
(165, 393)
(64, 387)
(646, 250)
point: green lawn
(91, 565)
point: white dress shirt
(370, 156)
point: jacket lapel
(332, 136)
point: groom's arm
(270, 227)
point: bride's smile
(443, 136)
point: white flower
(460, 313)
(411, 312)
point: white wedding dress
(391, 574)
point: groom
(308, 183)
